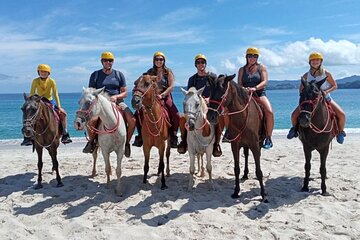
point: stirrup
(65, 139)
(138, 141)
(292, 133)
(89, 148)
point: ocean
(283, 102)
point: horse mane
(242, 93)
(91, 90)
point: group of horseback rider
(252, 76)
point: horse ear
(25, 96)
(98, 91)
(200, 91)
(184, 91)
(229, 78)
(319, 83)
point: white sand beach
(86, 209)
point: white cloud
(228, 65)
(181, 14)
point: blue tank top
(252, 80)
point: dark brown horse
(246, 123)
(155, 123)
(41, 124)
(316, 128)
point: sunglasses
(200, 62)
(252, 56)
(159, 59)
(107, 60)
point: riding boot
(182, 147)
(173, 140)
(138, 139)
(90, 145)
(127, 145)
(65, 139)
(217, 149)
(28, 141)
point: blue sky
(70, 36)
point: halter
(315, 102)
(220, 104)
(31, 123)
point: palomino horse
(155, 124)
(41, 124)
(246, 123)
(201, 136)
(111, 131)
(316, 128)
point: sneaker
(127, 150)
(267, 143)
(292, 133)
(27, 142)
(138, 141)
(65, 139)
(217, 150)
(89, 148)
(226, 137)
(181, 148)
(341, 137)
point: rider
(45, 86)
(200, 80)
(254, 77)
(165, 86)
(115, 85)
(318, 73)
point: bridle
(194, 116)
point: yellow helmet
(200, 56)
(316, 55)
(107, 55)
(44, 67)
(159, 54)
(252, 50)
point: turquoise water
(283, 102)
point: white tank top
(325, 86)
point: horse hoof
(235, 195)
(325, 194)
(60, 185)
(265, 200)
(164, 187)
(305, 189)
(245, 178)
(38, 186)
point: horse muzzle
(304, 120)
(27, 131)
(79, 124)
(191, 124)
(136, 102)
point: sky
(71, 35)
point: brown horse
(41, 124)
(316, 128)
(155, 123)
(245, 123)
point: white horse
(201, 135)
(111, 131)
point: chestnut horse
(155, 123)
(245, 123)
(41, 124)
(316, 128)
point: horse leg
(307, 153)
(246, 167)
(53, 154)
(162, 165)
(323, 156)
(191, 169)
(94, 155)
(119, 158)
(259, 175)
(146, 150)
(39, 151)
(202, 169)
(209, 167)
(235, 150)
(168, 148)
(106, 156)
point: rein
(315, 104)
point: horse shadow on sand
(79, 194)
(281, 191)
(16, 183)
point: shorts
(122, 105)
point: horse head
(219, 96)
(194, 106)
(30, 109)
(87, 108)
(144, 92)
(309, 99)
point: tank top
(325, 86)
(252, 80)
